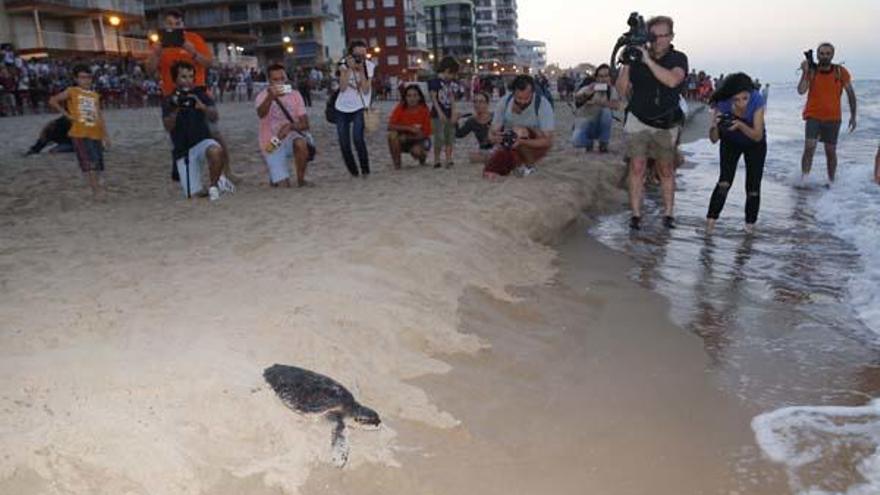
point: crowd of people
(512, 139)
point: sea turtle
(308, 392)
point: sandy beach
(135, 331)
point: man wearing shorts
(653, 85)
(824, 83)
(185, 114)
(284, 127)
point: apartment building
(394, 31)
(452, 29)
(39, 28)
(486, 31)
(531, 55)
(299, 32)
(508, 26)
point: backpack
(538, 97)
(330, 109)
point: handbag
(313, 150)
(372, 115)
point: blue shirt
(756, 102)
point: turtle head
(365, 415)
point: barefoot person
(82, 107)
(824, 83)
(738, 121)
(185, 114)
(280, 139)
(522, 130)
(652, 85)
(409, 127)
(478, 124)
(443, 109)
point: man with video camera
(651, 80)
(185, 114)
(824, 83)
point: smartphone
(600, 87)
(171, 38)
(285, 89)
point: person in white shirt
(355, 78)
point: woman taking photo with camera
(738, 121)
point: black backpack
(330, 109)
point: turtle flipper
(339, 441)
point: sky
(764, 38)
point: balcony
(54, 40)
(125, 7)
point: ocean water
(790, 316)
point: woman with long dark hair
(738, 122)
(409, 127)
(355, 90)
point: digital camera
(183, 98)
(508, 138)
(726, 120)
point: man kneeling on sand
(284, 126)
(522, 130)
(185, 114)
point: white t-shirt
(348, 100)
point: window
(359, 5)
(374, 41)
(371, 4)
(388, 4)
(360, 23)
(393, 60)
(391, 41)
(371, 23)
(390, 22)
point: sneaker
(635, 223)
(528, 170)
(213, 193)
(669, 222)
(225, 185)
(603, 147)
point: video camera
(808, 54)
(182, 98)
(638, 35)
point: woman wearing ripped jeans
(738, 122)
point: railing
(125, 44)
(133, 7)
(238, 16)
(54, 40)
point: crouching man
(522, 130)
(284, 127)
(185, 114)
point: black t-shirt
(191, 125)
(651, 101)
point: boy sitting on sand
(82, 107)
(185, 114)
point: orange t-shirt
(84, 108)
(175, 54)
(823, 100)
(403, 115)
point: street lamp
(289, 49)
(377, 49)
(286, 39)
(115, 21)
(154, 37)
(430, 56)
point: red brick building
(394, 32)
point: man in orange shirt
(194, 51)
(825, 83)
